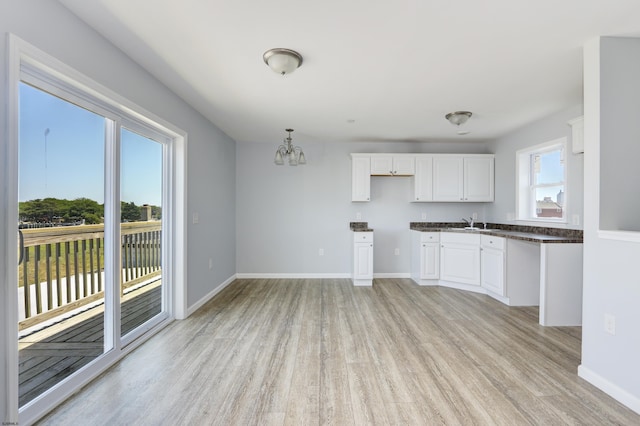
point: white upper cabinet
(478, 179)
(392, 165)
(435, 177)
(423, 179)
(448, 178)
(360, 177)
(463, 178)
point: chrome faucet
(468, 222)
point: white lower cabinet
(363, 258)
(425, 257)
(460, 258)
(492, 264)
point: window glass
(541, 182)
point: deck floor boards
(51, 355)
(303, 351)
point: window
(541, 182)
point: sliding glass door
(92, 243)
(61, 281)
(142, 294)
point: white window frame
(27, 61)
(525, 190)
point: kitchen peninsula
(517, 265)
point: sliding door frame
(23, 55)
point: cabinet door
(360, 179)
(423, 180)
(363, 261)
(392, 165)
(460, 263)
(478, 179)
(448, 179)
(382, 165)
(429, 261)
(492, 270)
(404, 165)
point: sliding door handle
(21, 256)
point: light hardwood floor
(309, 352)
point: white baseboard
(392, 275)
(267, 275)
(616, 392)
(210, 295)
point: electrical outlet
(210, 263)
(358, 216)
(196, 218)
(397, 252)
(474, 216)
(320, 252)
(575, 219)
(610, 324)
(424, 216)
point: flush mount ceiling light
(293, 153)
(282, 61)
(458, 118)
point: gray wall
(620, 136)
(611, 284)
(544, 130)
(211, 154)
(286, 214)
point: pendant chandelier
(293, 153)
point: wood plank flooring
(302, 352)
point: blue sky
(551, 171)
(67, 160)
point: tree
(129, 212)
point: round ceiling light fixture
(282, 61)
(459, 117)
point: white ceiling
(395, 67)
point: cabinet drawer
(460, 238)
(493, 242)
(363, 237)
(429, 237)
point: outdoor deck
(50, 355)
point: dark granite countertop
(360, 227)
(534, 234)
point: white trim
(112, 255)
(287, 276)
(179, 227)
(210, 295)
(630, 236)
(392, 275)
(547, 223)
(8, 161)
(523, 184)
(619, 394)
